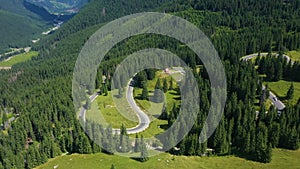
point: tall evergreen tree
(171, 85)
(165, 85)
(164, 115)
(150, 74)
(88, 103)
(290, 93)
(145, 93)
(144, 152)
(4, 118)
(158, 84)
(124, 140)
(137, 146)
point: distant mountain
(60, 6)
(18, 24)
(23, 20)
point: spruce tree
(290, 93)
(261, 151)
(120, 92)
(150, 74)
(104, 89)
(88, 104)
(171, 85)
(268, 154)
(164, 114)
(144, 152)
(158, 84)
(137, 147)
(4, 118)
(145, 93)
(165, 86)
(124, 140)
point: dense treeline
(247, 26)
(101, 11)
(277, 68)
(40, 90)
(19, 25)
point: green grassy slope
(18, 59)
(281, 159)
(281, 88)
(295, 55)
(109, 113)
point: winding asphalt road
(83, 109)
(276, 102)
(248, 57)
(144, 120)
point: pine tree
(279, 72)
(88, 104)
(267, 157)
(158, 84)
(247, 145)
(144, 152)
(171, 86)
(140, 79)
(109, 141)
(158, 96)
(104, 89)
(137, 147)
(145, 93)
(261, 151)
(165, 86)
(293, 139)
(120, 92)
(290, 93)
(124, 140)
(4, 118)
(164, 114)
(112, 167)
(274, 134)
(150, 74)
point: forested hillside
(18, 25)
(60, 6)
(22, 21)
(38, 92)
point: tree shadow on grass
(177, 98)
(174, 93)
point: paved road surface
(246, 58)
(144, 120)
(83, 109)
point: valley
(48, 122)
